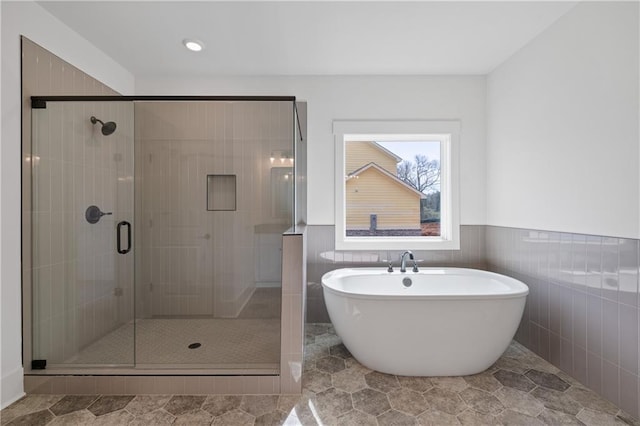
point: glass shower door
(82, 210)
(215, 190)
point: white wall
(30, 20)
(358, 97)
(562, 121)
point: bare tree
(405, 171)
(423, 174)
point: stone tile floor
(520, 389)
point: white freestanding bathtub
(444, 322)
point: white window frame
(445, 131)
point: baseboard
(12, 387)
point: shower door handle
(119, 237)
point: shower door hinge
(38, 364)
(38, 104)
(151, 287)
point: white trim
(445, 131)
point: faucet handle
(415, 264)
(390, 267)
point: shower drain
(194, 345)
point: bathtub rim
(522, 292)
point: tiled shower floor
(250, 341)
(520, 389)
(240, 342)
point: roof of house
(387, 174)
(386, 151)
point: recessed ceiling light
(193, 45)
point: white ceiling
(308, 38)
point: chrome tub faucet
(403, 262)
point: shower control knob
(93, 214)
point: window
(397, 185)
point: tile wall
(131, 385)
(582, 313)
(82, 288)
(74, 275)
(294, 251)
(583, 310)
(194, 261)
(322, 258)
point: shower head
(107, 128)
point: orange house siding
(373, 192)
(358, 154)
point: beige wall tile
(236, 385)
(77, 165)
(111, 385)
(292, 314)
(81, 385)
(37, 384)
(204, 132)
(269, 384)
(261, 384)
(292, 254)
(140, 385)
(199, 385)
(45, 74)
(291, 373)
(169, 385)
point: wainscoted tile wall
(582, 313)
(583, 310)
(322, 258)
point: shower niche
(191, 187)
(221, 192)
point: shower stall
(156, 230)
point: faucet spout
(403, 261)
